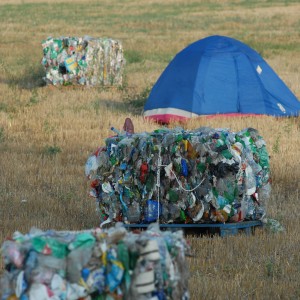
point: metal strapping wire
(159, 165)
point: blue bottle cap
(85, 273)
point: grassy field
(47, 133)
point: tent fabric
(219, 75)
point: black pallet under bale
(226, 229)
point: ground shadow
(30, 78)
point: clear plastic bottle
(250, 181)
(12, 252)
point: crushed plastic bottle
(273, 225)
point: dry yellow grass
(34, 118)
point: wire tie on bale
(159, 165)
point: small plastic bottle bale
(83, 61)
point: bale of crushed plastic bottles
(181, 176)
(83, 61)
(95, 264)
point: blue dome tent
(219, 75)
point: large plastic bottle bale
(198, 176)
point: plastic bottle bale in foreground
(95, 264)
(83, 61)
(178, 176)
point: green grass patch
(51, 150)
(2, 135)
(133, 56)
(3, 107)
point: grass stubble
(47, 133)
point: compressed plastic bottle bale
(174, 165)
(83, 61)
(100, 264)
